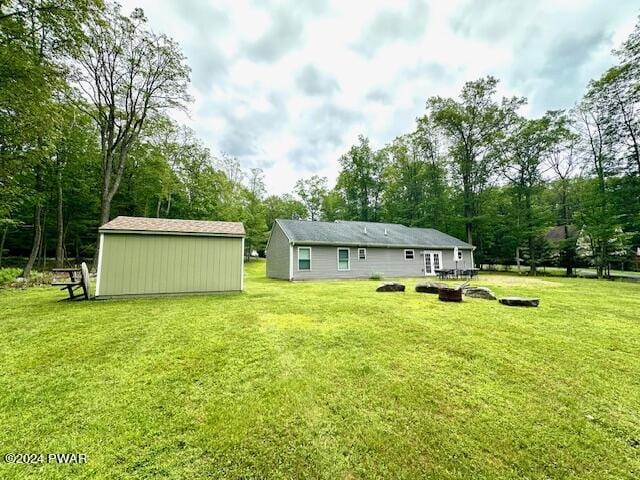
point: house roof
(169, 225)
(558, 233)
(365, 234)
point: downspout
(290, 262)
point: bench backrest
(85, 279)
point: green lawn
(578, 271)
(326, 380)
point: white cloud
(288, 85)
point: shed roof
(173, 226)
(367, 234)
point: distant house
(305, 250)
(560, 233)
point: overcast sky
(287, 86)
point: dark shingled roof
(169, 225)
(557, 233)
(366, 234)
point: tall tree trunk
(37, 227)
(76, 245)
(109, 188)
(568, 251)
(37, 237)
(468, 216)
(105, 210)
(4, 237)
(533, 269)
(632, 133)
(467, 198)
(60, 221)
(43, 242)
(168, 205)
(158, 204)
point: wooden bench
(72, 280)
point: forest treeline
(86, 95)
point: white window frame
(310, 259)
(413, 254)
(348, 259)
(460, 256)
(365, 253)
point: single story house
(156, 256)
(305, 250)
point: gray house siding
(390, 262)
(278, 254)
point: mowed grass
(326, 380)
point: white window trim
(348, 259)
(365, 253)
(460, 256)
(310, 259)
(413, 254)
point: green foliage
(473, 125)
(361, 182)
(334, 207)
(73, 157)
(283, 206)
(312, 191)
(9, 276)
(416, 191)
(128, 74)
(525, 151)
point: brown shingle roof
(169, 225)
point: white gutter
(290, 261)
(380, 245)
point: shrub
(8, 276)
(375, 276)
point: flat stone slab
(430, 287)
(520, 302)
(390, 287)
(479, 292)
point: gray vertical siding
(278, 254)
(389, 262)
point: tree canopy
(87, 132)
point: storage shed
(156, 256)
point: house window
(362, 254)
(343, 259)
(304, 258)
(459, 255)
(408, 254)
